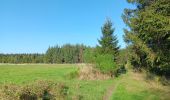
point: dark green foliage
(123, 56)
(107, 52)
(65, 54)
(149, 35)
(46, 95)
(89, 55)
(120, 70)
(108, 42)
(21, 58)
(49, 56)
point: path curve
(109, 92)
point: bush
(9, 92)
(105, 63)
(121, 70)
(43, 90)
(72, 75)
(64, 90)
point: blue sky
(31, 26)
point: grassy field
(130, 86)
(134, 86)
(24, 74)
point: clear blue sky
(31, 26)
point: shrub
(47, 95)
(105, 63)
(121, 70)
(64, 90)
(43, 90)
(28, 96)
(72, 75)
(9, 92)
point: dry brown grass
(88, 72)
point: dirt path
(109, 92)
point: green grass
(129, 86)
(133, 86)
(24, 74)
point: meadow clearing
(131, 86)
(62, 50)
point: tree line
(21, 58)
(65, 54)
(57, 54)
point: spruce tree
(108, 43)
(149, 34)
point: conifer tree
(149, 33)
(108, 44)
